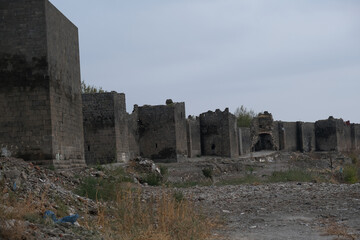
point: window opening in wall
(156, 145)
(213, 146)
(89, 148)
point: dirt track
(276, 211)
(284, 211)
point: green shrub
(208, 172)
(103, 188)
(153, 179)
(178, 196)
(351, 174)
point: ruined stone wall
(193, 137)
(332, 135)
(162, 132)
(308, 137)
(25, 125)
(38, 53)
(290, 135)
(355, 136)
(121, 128)
(105, 128)
(65, 88)
(133, 133)
(180, 129)
(343, 137)
(244, 140)
(99, 128)
(218, 134)
(233, 136)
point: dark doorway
(265, 142)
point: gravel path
(283, 210)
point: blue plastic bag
(71, 219)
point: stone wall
(133, 133)
(308, 137)
(290, 134)
(244, 140)
(219, 134)
(162, 132)
(65, 88)
(40, 90)
(105, 128)
(332, 135)
(355, 136)
(193, 137)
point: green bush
(208, 172)
(178, 196)
(153, 179)
(351, 174)
(103, 188)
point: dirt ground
(291, 210)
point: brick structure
(162, 132)
(219, 134)
(40, 96)
(105, 128)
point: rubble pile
(141, 169)
(47, 190)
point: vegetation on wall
(244, 116)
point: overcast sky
(299, 60)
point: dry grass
(14, 211)
(333, 228)
(161, 218)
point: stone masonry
(105, 128)
(40, 95)
(333, 135)
(162, 132)
(193, 136)
(219, 134)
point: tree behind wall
(90, 88)
(244, 116)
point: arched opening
(264, 142)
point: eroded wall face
(343, 136)
(121, 128)
(218, 134)
(355, 136)
(308, 137)
(25, 122)
(325, 134)
(65, 89)
(244, 140)
(180, 131)
(133, 134)
(233, 136)
(194, 140)
(157, 132)
(290, 136)
(99, 128)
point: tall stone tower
(40, 90)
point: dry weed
(161, 218)
(333, 228)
